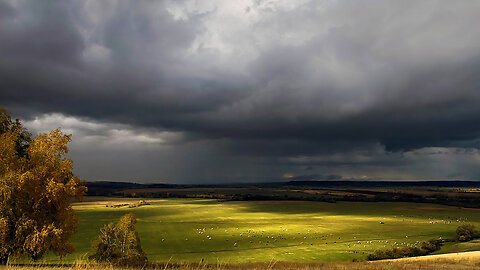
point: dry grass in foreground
(440, 264)
(466, 260)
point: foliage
(402, 252)
(23, 137)
(119, 244)
(36, 188)
(130, 205)
(466, 232)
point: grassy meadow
(208, 231)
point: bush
(119, 244)
(429, 246)
(466, 232)
(397, 252)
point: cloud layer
(188, 91)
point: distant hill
(101, 187)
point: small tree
(119, 243)
(466, 232)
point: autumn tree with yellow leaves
(119, 244)
(36, 189)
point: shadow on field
(364, 209)
(324, 208)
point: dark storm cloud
(259, 80)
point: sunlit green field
(192, 230)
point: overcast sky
(249, 91)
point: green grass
(473, 245)
(189, 230)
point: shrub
(398, 252)
(119, 244)
(428, 246)
(466, 232)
